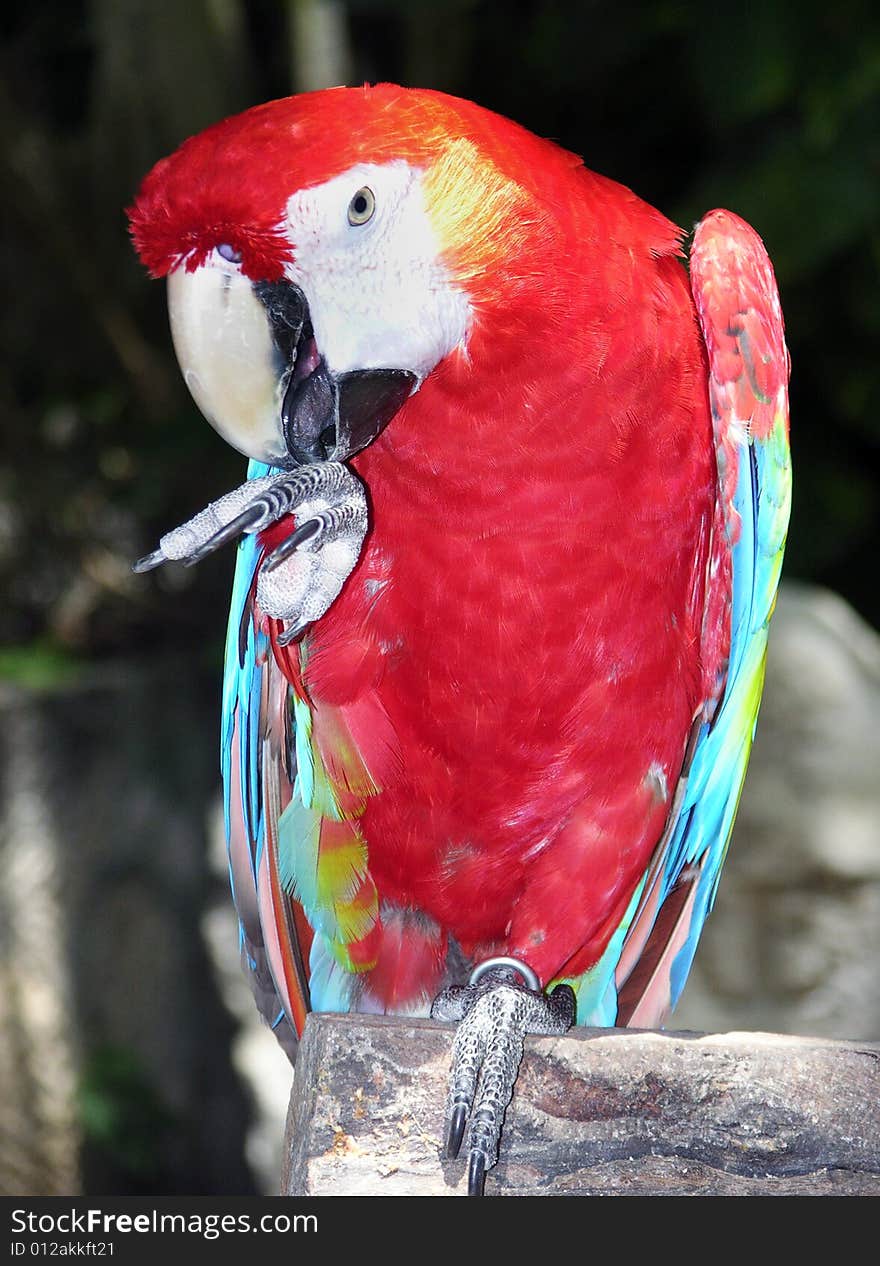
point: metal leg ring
(529, 978)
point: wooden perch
(599, 1111)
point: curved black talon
(476, 1174)
(455, 1130)
(303, 533)
(249, 517)
(291, 634)
(149, 561)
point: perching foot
(303, 574)
(501, 1003)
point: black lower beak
(324, 416)
(330, 418)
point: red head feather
(230, 184)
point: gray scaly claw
(302, 575)
(149, 561)
(501, 1003)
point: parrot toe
(494, 1011)
(304, 570)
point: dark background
(771, 109)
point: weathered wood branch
(599, 1111)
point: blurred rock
(793, 944)
(114, 1045)
(256, 1054)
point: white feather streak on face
(378, 293)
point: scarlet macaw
(510, 543)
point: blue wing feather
(250, 796)
(246, 649)
(736, 298)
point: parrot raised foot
(501, 1003)
(302, 575)
(508, 552)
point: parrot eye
(229, 253)
(362, 206)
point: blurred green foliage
(125, 1124)
(772, 110)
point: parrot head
(323, 253)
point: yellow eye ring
(362, 206)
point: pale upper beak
(249, 359)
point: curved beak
(248, 355)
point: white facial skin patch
(379, 295)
